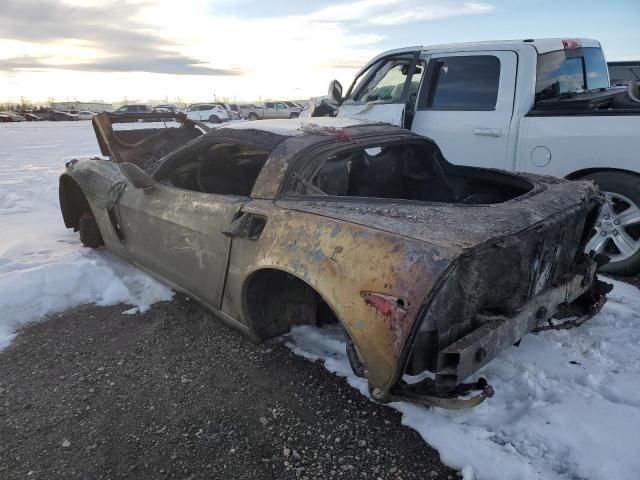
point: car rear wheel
(89, 232)
(354, 358)
(252, 116)
(214, 119)
(617, 231)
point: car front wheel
(252, 116)
(89, 232)
(617, 231)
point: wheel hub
(617, 231)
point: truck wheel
(294, 115)
(617, 231)
(214, 119)
(252, 116)
(89, 232)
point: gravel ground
(174, 393)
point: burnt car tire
(354, 359)
(623, 198)
(89, 232)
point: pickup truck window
(463, 83)
(269, 105)
(566, 71)
(388, 83)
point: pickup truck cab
(539, 106)
(269, 111)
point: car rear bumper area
(578, 299)
(465, 356)
(496, 294)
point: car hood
(457, 227)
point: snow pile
(567, 403)
(43, 267)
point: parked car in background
(134, 109)
(270, 110)
(13, 116)
(85, 115)
(432, 269)
(32, 117)
(621, 73)
(168, 107)
(207, 112)
(541, 106)
(233, 114)
(292, 104)
(57, 116)
(5, 118)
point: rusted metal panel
(340, 260)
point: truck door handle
(488, 132)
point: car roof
(542, 45)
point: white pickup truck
(541, 106)
(270, 110)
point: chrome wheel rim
(617, 231)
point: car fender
(343, 262)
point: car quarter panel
(341, 260)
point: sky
(198, 50)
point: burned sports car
(428, 266)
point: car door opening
(222, 169)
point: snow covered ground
(43, 267)
(567, 403)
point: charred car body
(428, 266)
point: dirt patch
(174, 393)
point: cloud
(377, 12)
(424, 13)
(166, 64)
(123, 44)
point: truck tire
(214, 119)
(89, 232)
(617, 232)
(252, 116)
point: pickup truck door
(282, 111)
(387, 91)
(466, 105)
(269, 111)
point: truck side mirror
(335, 91)
(138, 177)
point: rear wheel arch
(274, 300)
(579, 174)
(623, 192)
